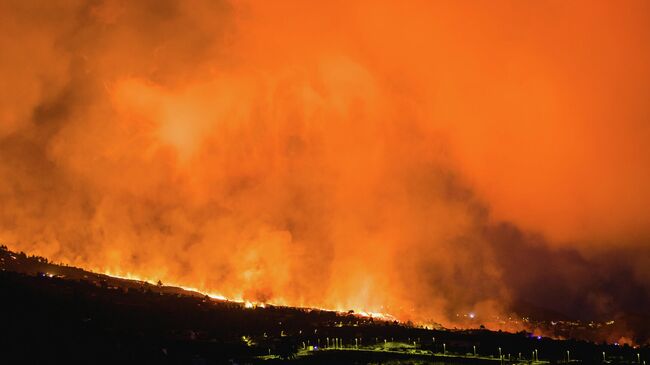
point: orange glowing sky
(379, 155)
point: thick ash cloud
(420, 159)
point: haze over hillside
(63, 314)
(427, 159)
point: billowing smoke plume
(422, 159)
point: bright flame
(380, 156)
(247, 304)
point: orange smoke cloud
(345, 155)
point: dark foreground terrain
(55, 314)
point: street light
(474, 350)
(568, 357)
(444, 348)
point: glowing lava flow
(249, 304)
(130, 276)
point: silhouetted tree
(287, 348)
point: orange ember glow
(419, 158)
